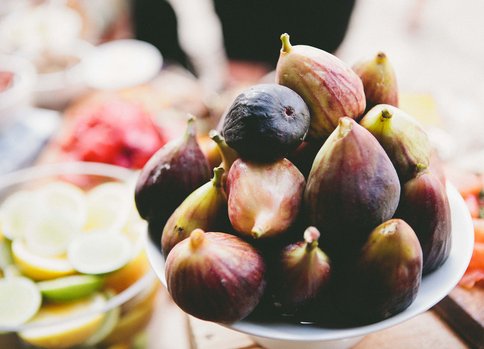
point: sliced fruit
(121, 279)
(5, 253)
(98, 253)
(69, 327)
(70, 287)
(20, 300)
(110, 321)
(16, 213)
(108, 207)
(39, 267)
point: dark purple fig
(402, 137)
(205, 208)
(425, 206)
(215, 276)
(388, 272)
(266, 122)
(304, 271)
(352, 187)
(328, 86)
(171, 174)
(264, 199)
(379, 80)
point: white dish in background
(434, 287)
(121, 64)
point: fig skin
(402, 137)
(352, 187)
(379, 80)
(172, 173)
(425, 206)
(304, 271)
(266, 122)
(215, 276)
(330, 88)
(205, 208)
(264, 200)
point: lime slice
(5, 254)
(70, 287)
(20, 300)
(108, 207)
(66, 200)
(99, 253)
(38, 267)
(110, 321)
(17, 212)
(71, 323)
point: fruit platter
(326, 216)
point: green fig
(171, 174)
(328, 86)
(204, 209)
(264, 199)
(402, 137)
(215, 276)
(379, 80)
(352, 187)
(425, 206)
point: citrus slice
(38, 267)
(70, 288)
(108, 207)
(16, 213)
(66, 200)
(98, 253)
(64, 325)
(110, 321)
(20, 300)
(5, 254)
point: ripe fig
(171, 174)
(352, 187)
(328, 86)
(402, 137)
(425, 206)
(379, 80)
(304, 270)
(264, 199)
(215, 276)
(388, 272)
(266, 122)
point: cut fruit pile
(65, 251)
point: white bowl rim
(78, 168)
(447, 277)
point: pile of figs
(323, 205)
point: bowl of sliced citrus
(73, 271)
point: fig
(352, 187)
(266, 122)
(425, 206)
(388, 272)
(328, 86)
(204, 209)
(264, 199)
(227, 154)
(215, 276)
(304, 270)
(379, 80)
(402, 137)
(172, 173)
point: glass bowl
(128, 304)
(434, 287)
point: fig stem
(380, 58)
(311, 236)
(345, 126)
(196, 238)
(286, 44)
(228, 154)
(191, 130)
(257, 232)
(386, 114)
(217, 176)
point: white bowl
(434, 287)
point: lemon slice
(20, 300)
(17, 212)
(67, 200)
(70, 287)
(39, 267)
(108, 207)
(98, 253)
(69, 327)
